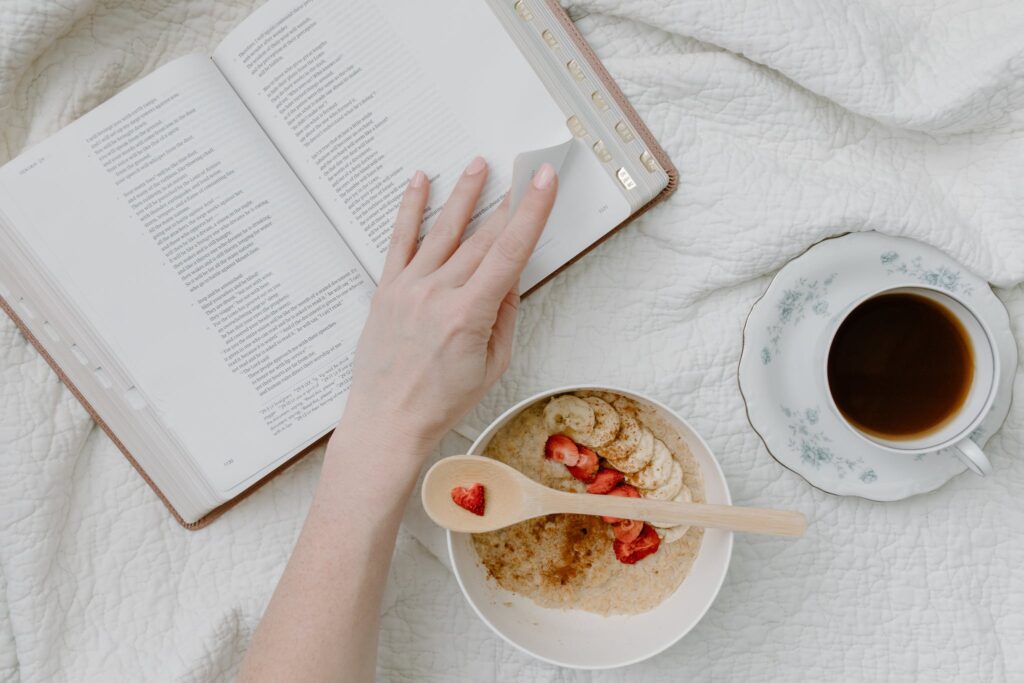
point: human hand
(440, 328)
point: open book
(196, 256)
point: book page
(359, 95)
(175, 228)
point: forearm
(322, 622)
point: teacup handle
(972, 456)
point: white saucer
(778, 371)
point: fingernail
(418, 178)
(476, 166)
(544, 177)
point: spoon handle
(730, 517)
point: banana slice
(639, 458)
(569, 415)
(670, 488)
(606, 425)
(624, 405)
(672, 535)
(684, 496)
(657, 473)
(626, 441)
(606, 396)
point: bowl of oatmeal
(591, 592)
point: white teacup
(954, 432)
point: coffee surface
(900, 366)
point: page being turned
(358, 95)
(175, 228)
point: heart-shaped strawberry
(471, 499)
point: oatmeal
(575, 561)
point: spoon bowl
(506, 496)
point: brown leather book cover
(634, 119)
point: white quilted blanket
(790, 122)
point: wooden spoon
(512, 497)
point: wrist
(365, 444)
(369, 472)
(377, 451)
(401, 433)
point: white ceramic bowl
(583, 640)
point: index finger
(500, 269)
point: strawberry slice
(471, 499)
(562, 449)
(646, 544)
(628, 530)
(605, 480)
(621, 490)
(586, 469)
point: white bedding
(789, 122)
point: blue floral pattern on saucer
(806, 297)
(949, 279)
(815, 447)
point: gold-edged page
(358, 95)
(172, 224)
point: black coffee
(900, 365)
